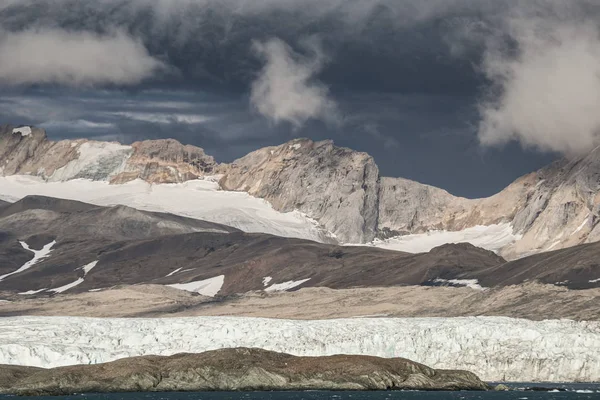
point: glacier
(200, 199)
(491, 237)
(495, 348)
(204, 199)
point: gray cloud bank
(549, 86)
(73, 58)
(534, 64)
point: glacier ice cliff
(495, 348)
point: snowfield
(204, 199)
(495, 348)
(200, 199)
(492, 237)
(208, 287)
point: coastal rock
(239, 369)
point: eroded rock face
(32, 154)
(238, 369)
(155, 161)
(165, 161)
(336, 186)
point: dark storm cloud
(418, 84)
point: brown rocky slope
(238, 369)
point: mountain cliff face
(155, 161)
(341, 189)
(336, 186)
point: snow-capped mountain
(313, 190)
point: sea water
(567, 392)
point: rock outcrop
(155, 161)
(336, 186)
(238, 369)
(165, 161)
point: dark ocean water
(581, 391)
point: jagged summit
(341, 189)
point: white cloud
(548, 87)
(164, 118)
(73, 58)
(286, 89)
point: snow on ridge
(67, 286)
(595, 280)
(495, 348)
(88, 267)
(490, 237)
(23, 131)
(580, 227)
(86, 270)
(470, 283)
(266, 280)
(174, 272)
(284, 286)
(96, 161)
(38, 255)
(33, 291)
(207, 287)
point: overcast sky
(466, 95)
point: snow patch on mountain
(38, 255)
(96, 161)
(207, 287)
(491, 237)
(282, 287)
(470, 283)
(86, 269)
(67, 286)
(23, 131)
(174, 272)
(200, 199)
(30, 292)
(495, 348)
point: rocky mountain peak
(334, 185)
(165, 161)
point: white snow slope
(38, 255)
(495, 348)
(492, 237)
(203, 199)
(208, 287)
(200, 199)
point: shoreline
(236, 369)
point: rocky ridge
(239, 369)
(553, 208)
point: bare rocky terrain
(124, 246)
(531, 301)
(238, 369)
(59, 255)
